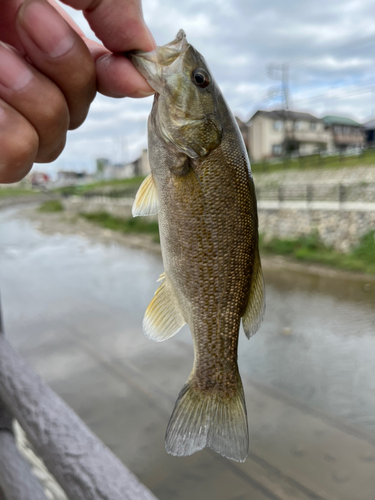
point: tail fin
(207, 419)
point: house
(118, 171)
(142, 165)
(369, 131)
(39, 179)
(279, 132)
(244, 129)
(70, 176)
(139, 167)
(345, 132)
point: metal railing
(83, 466)
(361, 192)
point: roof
(240, 123)
(282, 114)
(340, 120)
(369, 125)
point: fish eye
(201, 78)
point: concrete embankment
(338, 205)
(340, 225)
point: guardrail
(83, 466)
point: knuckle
(81, 93)
(85, 78)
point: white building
(139, 167)
(279, 132)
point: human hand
(50, 72)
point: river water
(316, 344)
(317, 341)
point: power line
(337, 97)
(285, 75)
(364, 41)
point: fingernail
(14, 73)
(141, 93)
(46, 28)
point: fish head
(185, 112)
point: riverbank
(65, 222)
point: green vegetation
(138, 225)
(115, 188)
(51, 206)
(367, 157)
(308, 248)
(312, 249)
(9, 192)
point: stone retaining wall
(340, 225)
(339, 228)
(118, 207)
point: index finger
(119, 25)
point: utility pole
(285, 83)
(281, 72)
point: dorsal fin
(256, 306)
(146, 200)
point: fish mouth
(155, 65)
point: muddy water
(74, 308)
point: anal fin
(163, 317)
(146, 200)
(256, 306)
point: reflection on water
(317, 342)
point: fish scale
(202, 187)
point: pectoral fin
(146, 200)
(256, 306)
(163, 317)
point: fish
(202, 189)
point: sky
(327, 46)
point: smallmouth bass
(202, 188)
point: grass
(136, 225)
(312, 249)
(308, 248)
(9, 192)
(316, 161)
(121, 187)
(51, 206)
